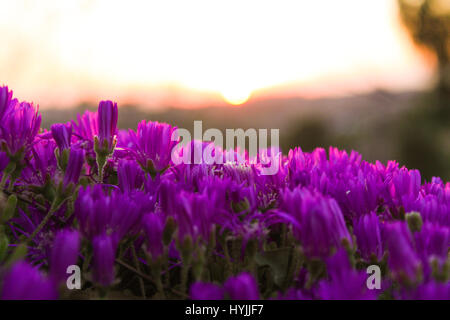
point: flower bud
(414, 220)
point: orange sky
(191, 53)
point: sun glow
(228, 48)
(236, 98)
(236, 95)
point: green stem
(184, 272)
(156, 271)
(138, 268)
(228, 265)
(166, 267)
(6, 173)
(3, 181)
(11, 185)
(52, 210)
(101, 162)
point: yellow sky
(191, 52)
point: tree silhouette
(428, 22)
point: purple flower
(121, 214)
(104, 255)
(130, 175)
(432, 208)
(206, 291)
(42, 165)
(344, 283)
(242, 287)
(5, 101)
(107, 123)
(196, 213)
(62, 134)
(404, 187)
(153, 224)
(429, 291)
(403, 260)
(152, 145)
(317, 220)
(74, 167)
(368, 236)
(64, 253)
(86, 128)
(432, 242)
(19, 127)
(24, 282)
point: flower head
(317, 220)
(429, 291)
(5, 100)
(117, 213)
(104, 255)
(64, 253)
(130, 175)
(152, 145)
(403, 260)
(153, 224)
(206, 291)
(24, 282)
(242, 287)
(86, 127)
(62, 134)
(42, 166)
(368, 236)
(73, 170)
(19, 127)
(344, 282)
(107, 124)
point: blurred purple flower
(24, 282)
(242, 287)
(206, 291)
(403, 260)
(317, 220)
(104, 255)
(429, 291)
(432, 242)
(368, 236)
(64, 252)
(344, 283)
(153, 224)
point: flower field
(113, 203)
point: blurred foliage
(418, 137)
(428, 22)
(424, 130)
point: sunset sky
(191, 53)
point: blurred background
(373, 76)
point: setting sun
(236, 97)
